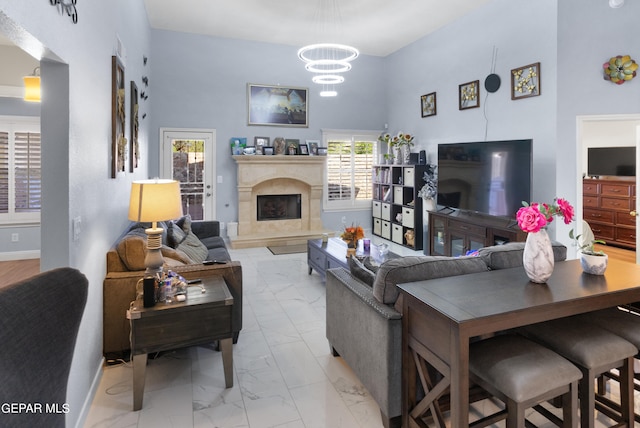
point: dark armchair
(39, 321)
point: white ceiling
(375, 27)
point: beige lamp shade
(155, 200)
(32, 88)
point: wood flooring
(17, 270)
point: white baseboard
(19, 255)
(90, 396)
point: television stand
(455, 234)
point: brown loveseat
(183, 252)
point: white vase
(538, 258)
(397, 155)
(595, 265)
(406, 154)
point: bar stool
(595, 351)
(523, 374)
(625, 324)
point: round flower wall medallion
(620, 69)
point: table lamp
(153, 201)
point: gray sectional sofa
(364, 322)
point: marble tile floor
(284, 373)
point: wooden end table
(202, 318)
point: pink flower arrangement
(535, 216)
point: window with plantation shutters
(350, 158)
(20, 170)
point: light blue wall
(462, 52)
(200, 82)
(590, 34)
(76, 125)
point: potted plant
(429, 190)
(592, 261)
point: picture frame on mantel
(525, 81)
(274, 105)
(469, 95)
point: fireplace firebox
(279, 207)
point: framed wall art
(428, 104)
(134, 147)
(469, 95)
(118, 117)
(525, 81)
(277, 106)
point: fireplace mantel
(273, 175)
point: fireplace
(278, 207)
(279, 200)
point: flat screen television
(615, 161)
(490, 177)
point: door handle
(633, 213)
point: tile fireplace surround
(279, 175)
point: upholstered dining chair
(39, 321)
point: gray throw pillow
(418, 268)
(361, 272)
(183, 239)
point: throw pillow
(360, 271)
(193, 248)
(418, 268)
(371, 264)
(173, 257)
(175, 235)
(190, 244)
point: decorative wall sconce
(68, 6)
(32, 91)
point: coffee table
(202, 318)
(333, 254)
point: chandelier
(328, 60)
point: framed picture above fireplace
(277, 105)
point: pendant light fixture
(32, 86)
(328, 60)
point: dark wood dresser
(609, 208)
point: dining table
(441, 317)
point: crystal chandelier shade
(328, 60)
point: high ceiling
(375, 27)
